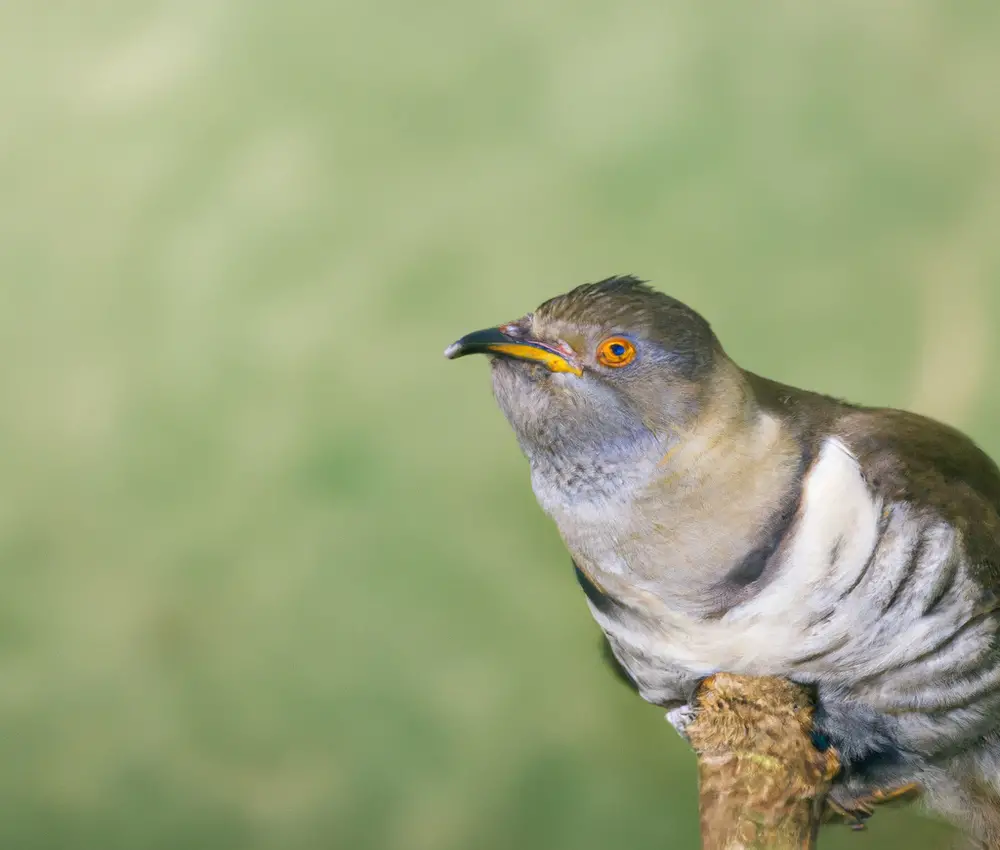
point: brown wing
(910, 458)
(905, 457)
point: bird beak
(495, 341)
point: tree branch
(762, 781)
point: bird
(718, 520)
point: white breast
(832, 541)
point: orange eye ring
(616, 351)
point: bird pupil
(618, 349)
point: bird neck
(723, 479)
(729, 435)
(674, 513)
(728, 440)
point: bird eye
(616, 351)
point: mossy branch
(762, 782)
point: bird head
(609, 368)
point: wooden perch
(762, 781)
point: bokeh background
(273, 576)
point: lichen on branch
(762, 782)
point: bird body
(719, 521)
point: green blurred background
(273, 576)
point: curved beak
(495, 341)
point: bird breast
(845, 601)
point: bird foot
(680, 718)
(855, 810)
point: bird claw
(680, 718)
(854, 813)
(856, 810)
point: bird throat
(677, 515)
